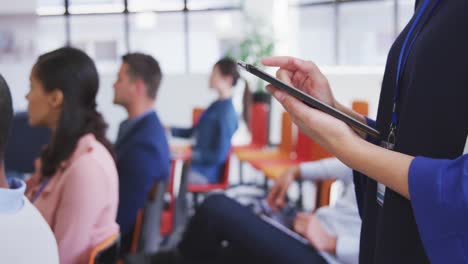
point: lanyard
(403, 58)
(38, 193)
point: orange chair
(275, 169)
(283, 151)
(259, 127)
(200, 189)
(323, 193)
(305, 150)
(361, 107)
(107, 251)
(167, 217)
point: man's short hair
(6, 115)
(146, 68)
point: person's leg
(197, 178)
(221, 221)
(125, 243)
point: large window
(155, 5)
(189, 36)
(405, 12)
(96, 6)
(162, 36)
(51, 33)
(101, 37)
(315, 37)
(366, 32)
(54, 7)
(210, 4)
(211, 35)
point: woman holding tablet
(411, 184)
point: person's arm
(361, 118)
(330, 168)
(438, 187)
(84, 193)
(347, 248)
(306, 76)
(439, 198)
(387, 167)
(308, 225)
(182, 132)
(138, 168)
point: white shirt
(25, 237)
(342, 219)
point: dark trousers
(224, 231)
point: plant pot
(261, 97)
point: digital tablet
(310, 101)
(284, 229)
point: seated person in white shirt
(224, 231)
(25, 236)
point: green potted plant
(256, 45)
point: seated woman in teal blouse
(214, 130)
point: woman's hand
(387, 167)
(304, 75)
(310, 227)
(322, 128)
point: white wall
(179, 94)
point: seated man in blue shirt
(26, 236)
(214, 130)
(142, 150)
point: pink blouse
(80, 201)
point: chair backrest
(259, 124)
(323, 192)
(169, 210)
(24, 144)
(303, 146)
(196, 114)
(362, 107)
(286, 144)
(150, 235)
(106, 252)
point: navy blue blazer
(143, 158)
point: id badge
(380, 187)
